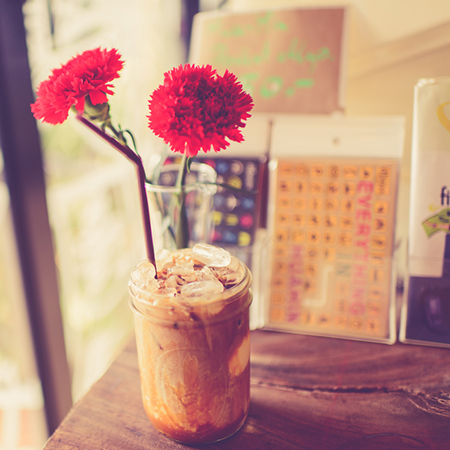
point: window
(91, 235)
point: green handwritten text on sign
(288, 60)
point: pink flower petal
(197, 109)
(89, 73)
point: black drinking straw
(137, 161)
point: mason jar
(193, 355)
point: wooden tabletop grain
(307, 393)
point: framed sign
(332, 211)
(289, 60)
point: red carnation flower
(89, 73)
(196, 109)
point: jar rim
(202, 168)
(190, 303)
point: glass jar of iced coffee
(193, 342)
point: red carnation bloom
(196, 109)
(89, 73)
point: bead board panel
(333, 238)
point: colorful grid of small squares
(332, 248)
(236, 212)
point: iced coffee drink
(193, 341)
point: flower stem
(182, 232)
(182, 172)
(137, 161)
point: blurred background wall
(391, 45)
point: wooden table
(307, 393)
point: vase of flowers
(194, 109)
(167, 204)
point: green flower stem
(182, 232)
(181, 178)
(137, 161)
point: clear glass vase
(167, 201)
